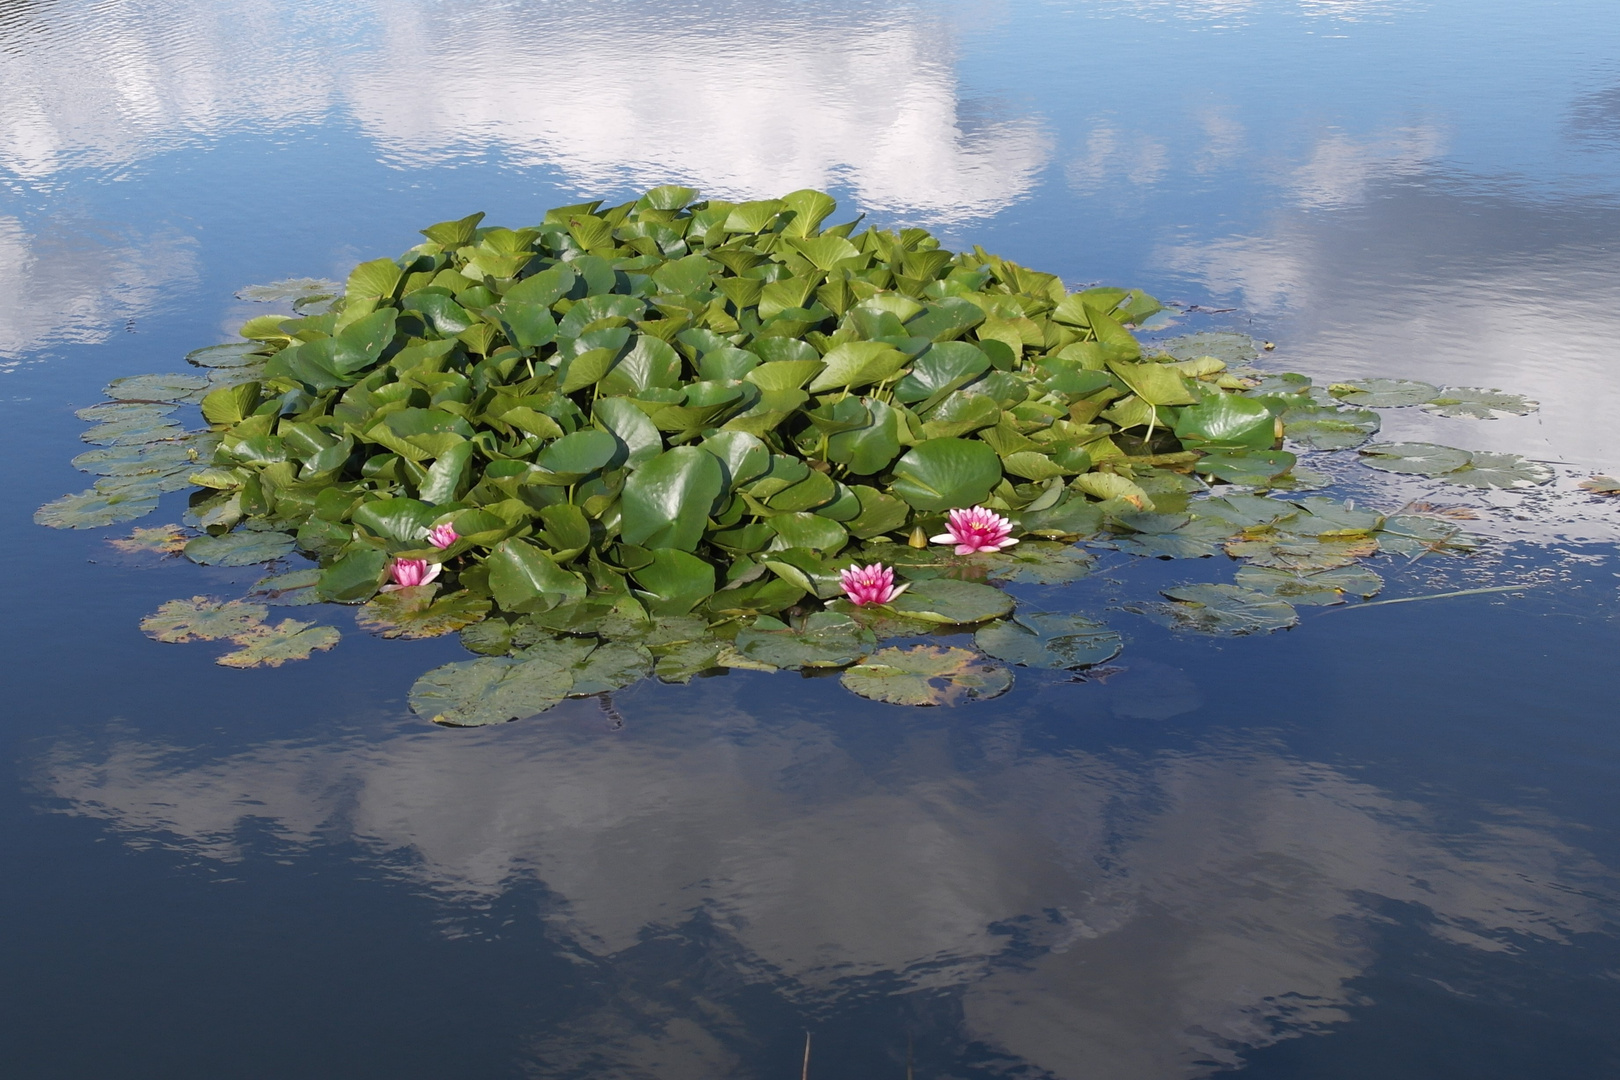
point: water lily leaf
(827, 640)
(289, 289)
(203, 618)
(944, 474)
(490, 690)
(1326, 519)
(1226, 420)
(1303, 555)
(524, 579)
(1500, 471)
(1252, 468)
(158, 540)
(675, 582)
(1330, 429)
(137, 460)
(1419, 459)
(1417, 534)
(1475, 403)
(667, 502)
(951, 602)
(1602, 485)
(684, 661)
(240, 548)
(115, 411)
(272, 646)
(156, 388)
(858, 363)
(1243, 511)
(1228, 609)
(1049, 640)
(297, 588)
(1039, 562)
(418, 612)
(1230, 347)
(1316, 588)
(1106, 486)
(927, 675)
(134, 430)
(1383, 393)
(609, 667)
(93, 509)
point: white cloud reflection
(1179, 911)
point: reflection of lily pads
(1417, 458)
(1049, 640)
(419, 612)
(293, 589)
(240, 548)
(203, 619)
(156, 388)
(490, 690)
(158, 540)
(93, 509)
(1228, 609)
(1317, 588)
(926, 675)
(952, 602)
(1383, 393)
(1040, 562)
(1500, 471)
(1474, 403)
(272, 646)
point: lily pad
(289, 289)
(490, 690)
(1330, 429)
(235, 354)
(1303, 555)
(1231, 347)
(1316, 588)
(203, 618)
(952, 602)
(609, 667)
(1049, 640)
(1500, 471)
(158, 540)
(1228, 609)
(419, 612)
(94, 509)
(296, 588)
(1384, 393)
(157, 388)
(1474, 403)
(1416, 458)
(240, 548)
(1039, 562)
(133, 431)
(272, 646)
(168, 457)
(1602, 485)
(827, 640)
(108, 412)
(927, 675)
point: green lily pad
(1383, 393)
(1038, 562)
(157, 388)
(1317, 588)
(609, 667)
(203, 618)
(94, 509)
(1227, 609)
(272, 646)
(496, 636)
(490, 690)
(240, 548)
(289, 289)
(1500, 471)
(1224, 345)
(296, 588)
(827, 640)
(133, 431)
(1303, 555)
(235, 354)
(1316, 428)
(1325, 519)
(682, 662)
(927, 675)
(1416, 458)
(419, 612)
(108, 412)
(1414, 534)
(1049, 640)
(165, 457)
(951, 602)
(1474, 403)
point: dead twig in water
(805, 1075)
(1437, 596)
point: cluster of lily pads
(676, 435)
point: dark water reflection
(1384, 843)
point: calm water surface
(1386, 843)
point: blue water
(1384, 843)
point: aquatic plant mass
(673, 436)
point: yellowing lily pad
(419, 612)
(203, 618)
(158, 540)
(272, 646)
(1315, 588)
(927, 675)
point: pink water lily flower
(870, 584)
(442, 536)
(409, 572)
(977, 529)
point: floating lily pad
(233, 355)
(93, 509)
(146, 428)
(1384, 393)
(951, 602)
(827, 640)
(1228, 609)
(1330, 429)
(419, 612)
(297, 588)
(927, 675)
(1602, 485)
(1317, 588)
(144, 485)
(165, 457)
(1303, 555)
(158, 540)
(610, 667)
(108, 412)
(240, 548)
(1473, 403)
(498, 637)
(289, 289)
(156, 388)
(1039, 562)
(680, 663)
(1049, 640)
(272, 646)
(1500, 471)
(203, 618)
(1416, 458)
(491, 690)
(1326, 519)
(1242, 511)
(1233, 348)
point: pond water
(1384, 843)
